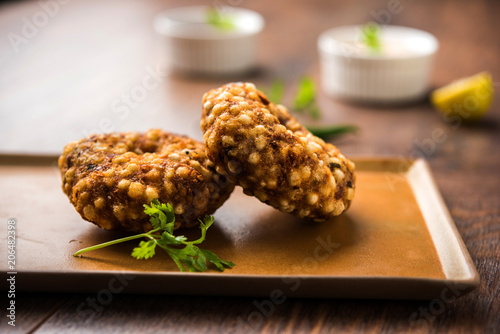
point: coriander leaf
(201, 262)
(145, 250)
(184, 253)
(208, 221)
(219, 20)
(305, 98)
(305, 94)
(162, 216)
(169, 239)
(370, 36)
(198, 260)
(167, 210)
(185, 258)
(277, 91)
(155, 218)
(305, 101)
(158, 214)
(172, 252)
(217, 261)
(190, 263)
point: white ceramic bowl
(400, 73)
(194, 46)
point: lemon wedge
(468, 98)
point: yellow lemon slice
(468, 98)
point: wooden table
(59, 80)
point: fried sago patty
(109, 177)
(261, 147)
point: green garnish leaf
(217, 261)
(306, 93)
(305, 101)
(169, 239)
(370, 36)
(219, 20)
(160, 215)
(208, 221)
(276, 91)
(326, 132)
(305, 98)
(185, 254)
(145, 251)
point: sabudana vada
(261, 147)
(109, 177)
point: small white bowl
(194, 46)
(400, 73)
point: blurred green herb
(370, 36)
(326, 132)
(305, 101)
(276, 92)
(305, 98)
(219, 20)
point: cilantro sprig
(219, 19)
(185, 254)
(276, 92)
(305, 98)
(370, 36)
(305, 101)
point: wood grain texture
(61, 85)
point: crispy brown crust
(261, 147)
(109, 177)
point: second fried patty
(262, 148)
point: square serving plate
(397, 241)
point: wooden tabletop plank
(31, 311)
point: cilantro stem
(184, 253)
(203, 228)
(117, 241)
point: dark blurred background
(66, 67)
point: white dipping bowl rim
(332, 41)
(195, 47)
(356, 75)
(167, 22)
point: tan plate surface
(396, 241)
